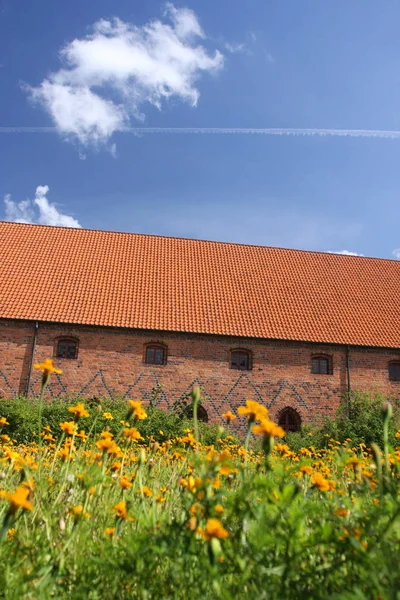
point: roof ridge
(200, 240)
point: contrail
(290, 131)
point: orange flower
(110, 531)
(79, 411)
(229, 416)
(120, 510)
(19, 499)
(306, 470)
(47, 367)
(253, 411)
(214, 529)
(324, 485)
(68, 427)
(132, 434)
(146, 491)
(136, 409)
(268, 429)
(125, 483)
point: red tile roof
(80, 276)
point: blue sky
(211, 63)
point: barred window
(67, 348)
(155, 355)
(321, 365)
(241, 359)
(394, 371)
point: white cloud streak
(344, 252)
(268, 131)
(109, 75)
(396, 253)
(39, 210)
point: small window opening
(240, 359)
(67, 348)
(290, 420)
(155, 355)
(321, 365)
(394, 371)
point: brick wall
(110, 363)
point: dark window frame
(241, 352)
(67, 340)
(289, 419)
(394, 365)
(155, 346)
(320, 358)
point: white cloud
(136, 65)
(396, 253)
(345, 252)
(39, 210)
(235, 48)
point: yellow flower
(136, 409)
(268, 429)
(214, 529)
(108, 415)
(68, 427)
(219, 509)
(82, 435)
(3, 421)
(132, 434)
(306, 470)
(229, 416)
(79, 411)
(324, 485)
(146, 491)
(10, 533)
(120, 510)
(19, 499)
(46, 367)
(108, 445)
(76, 511)
(125, 483)
(253, 411)
(110, 531)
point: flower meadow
(104, 512)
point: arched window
(202, 414)
(394, 371)
(321, 365)
(155, 354)
(289, 419)
(241, 359)
(67, 348)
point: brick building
(130, 315)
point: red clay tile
(151, 282)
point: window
(394, 371)
(321, 365)
(67, 348)
(241, 359)
(155, 355)
(289, 419)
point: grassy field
(101, 512)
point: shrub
(359, 418)
(22, 414)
